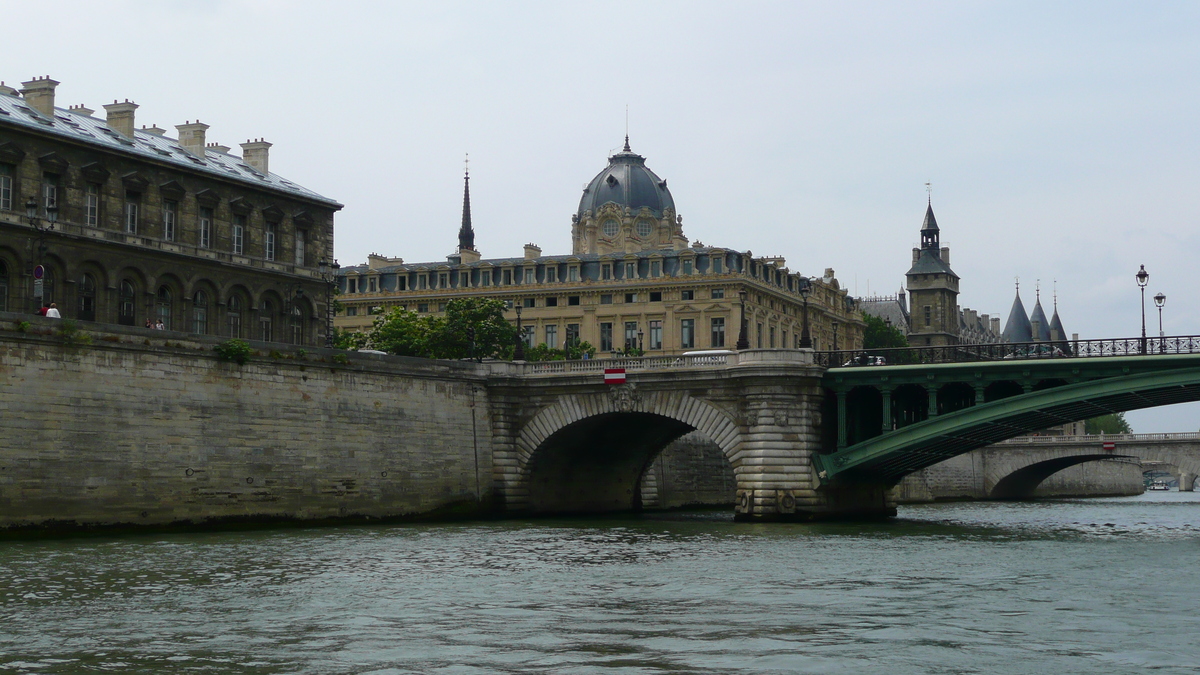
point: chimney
(153, 129)
(120, 117)
(1037, 329)
(532, 251)
(81, 109)
(7, 90)
(468, 255)
(223, 149)
(946, 254)
(191, 137)
(916, 255)
(995, 325)
(255, 153)
(39, 94)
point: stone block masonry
(143, 427)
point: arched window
(200, 313)
(162, 306)
(3, 287)
(233, 316)
(265, 316)
(87, 298)
(126, 303)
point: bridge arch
(1021, 483)
(586, 452)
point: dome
(627, 183)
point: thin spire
(1056, 296)
(466, 234)
(929, 193)
(1037, 289)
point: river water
(1087, 586)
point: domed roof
(628, 183)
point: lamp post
(42, 227)
(328, 271)
(1142, 278)
(519, 352)
(835, 325)
(1159, 301)
(641, 349)
(805, 337)
(743, 341)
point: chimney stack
(532, 251)
(154, 129)
(81, 109)
(255, 153)
(916, 255)
(39, 94)
(7, 90)
(219, 148)
(191, 137)
(120, 117)
(946, 254)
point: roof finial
(929, 192)
(1056, 295)
(1037, 289)
(627, 128)
(1018, 280)
(467, 165)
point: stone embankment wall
(691, 471)
(145, 427)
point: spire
(1038, 318)
(929, 230)
(1057, 332)
(466, 235)
(1018, 328)
(626, 148)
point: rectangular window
(169, 213)
(573, 273)
(655, 268)
(718, 294)
(631, 335)
(269, 242)
(422, 307)
(552, 337)
(91, 204)
(552, 302)
(373, 284)
(656, 296)
(527, 302)
(527, 335)
(485, 278)
(351, 311)
(631, 297)
(572, 335)
(132, 202)
(352, 285)
(606, 337)
(716, 265)
(443, 280)
(529, 275)
(206, 225)
(298, 251)
(687, 333)
(928, 315)
(630, 270)
(687, 295)
(758, 336)
(464, 279)
(49, 191)
(606, 299)
(6, 187)
(239, 234)
(551, 275)
(441, 306)
(572, 300)
(508, 278)
(655, 334)
(687, 266)
(606, 272)
(718, 332)
(422, 282)
(772, 342)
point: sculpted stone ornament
(626, 397)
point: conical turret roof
(930, 222)
(1043, 324)
(1056, 328)
(1018, 329)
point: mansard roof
(540, 260)
(95, 131)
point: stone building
(632, 280)
(130, 225)
(929, 314)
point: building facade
(632, 280)
(130, 226)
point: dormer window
(573, 273)
(686, 266)
(529, 275)
(655, 268)
(551, 275)
(606, 272)
(630, 270)
(611, 226)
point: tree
(878, 334)
(404, 333)
(573, 351)
(471, 328)
(1107, 424)
(348, 339)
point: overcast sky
(1060, 138)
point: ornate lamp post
(42, 227)
(743, 341)
(805, 336)
(1159, 301)
(641, 349)
(519, 352)
(835, 345)
(328, 271)
(1142, 278)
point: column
(841, 420)
(932, 391)
(887, 410)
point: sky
(1060, 139)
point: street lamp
(42, 227)
(519, 352)
(835, 325)
(805, 337)
(328, 271)
(743, 341)
(1142, 278)
(1159, 301)
(641, 350)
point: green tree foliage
(572, 352)
(1107, 424)
(879, 335)
(471, 328)
(348, 339)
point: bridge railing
(631, 364)
(1004, 351)
(1096, 438)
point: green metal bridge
(939, 402)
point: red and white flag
(614, 376)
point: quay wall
(143, 427)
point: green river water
(1083, 586)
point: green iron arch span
(888, 457)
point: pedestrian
(52, 311)
(149, 324)
(160, 325)
(42, 310)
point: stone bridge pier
(564, 442)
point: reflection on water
(1088, 586)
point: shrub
(71, 334)
(22, 326)
(341, 359)
(237, 351)
(275, 354)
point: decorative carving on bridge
(625, 397)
